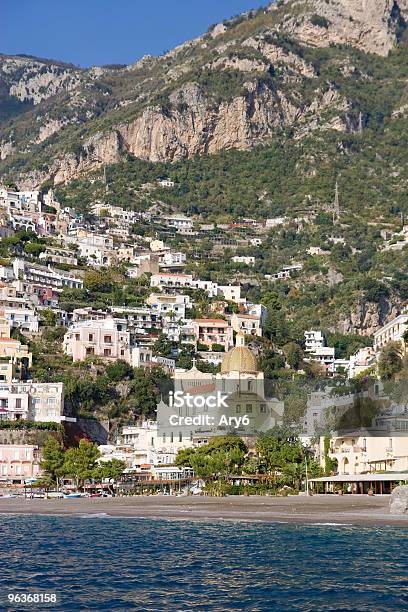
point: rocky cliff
(234, 87)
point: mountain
(295, 69)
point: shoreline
(316, 510)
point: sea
(97, 562)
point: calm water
(132, 564)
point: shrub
(319, 21)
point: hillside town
(186, 327)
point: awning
(388, 477)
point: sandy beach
(348, 510)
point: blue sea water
(103, 563)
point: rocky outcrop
(49, 128)
(279, 57)
(33, 80)
(6, 148)
(237, 63)
(374, 26)
(193, 124)
(368, 317)
(280, 89)
(399, 500)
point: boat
(73, 495)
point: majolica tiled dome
(239, 359)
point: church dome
(239, 359)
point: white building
(165, 305)
(181, 223)
(32, 401)
(244, 259)
(95, 248)
(392, 331)
(363, 359)
(316, 349)
(249, 324)
(151, 448)
(172, 259)
(382, 447)
(171, 281)
(44, 276)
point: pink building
(19, 462)
(213, 331)
(104, 338)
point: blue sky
(95, 32)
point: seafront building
(19, 463)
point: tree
(98, 280)
(163, 347)
(283, 455)
(294, 355)
(118, 370)
(221, 456)
(34, 248)
(49, 317)
(390, 360)
(79, 463)
(330, 465)
(144, 392)
(111, 470)
(52, 460)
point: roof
(174, 274)
(239, 359)
(211, 321)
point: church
(234, 400)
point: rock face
(374, 26)
(34, 80)
(158, 109)
(368, 317)
(193, 125)
(399, 500)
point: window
(238, 408)
(107, 339)
(180, 436)
(18, 402)
(90, 337)
(107, 352)
(263, 408)
(171, 437)
(248, 408)
(77, 337)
